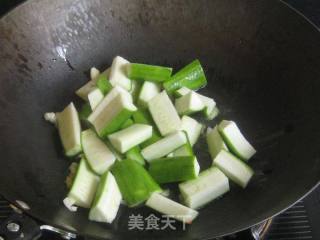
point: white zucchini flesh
(147, 92)
(118, 75)
(94, 73)
(164, 146)
(106, 101)
(69, 130)
(233, 168)
(192, 127)
(130, 137)
(189, 103)
(90, 85)
(235, 140)
(215, 142)
(209, 185)
(183, 91)
(107, 200)
(84, 186)
(95, 97)
(110, 112)
(215, 112)
(171, 208)
(98, 155)
(164, 114)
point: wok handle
(21, 226)
(259, 231)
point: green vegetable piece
(127, 123)
(103, 84)
(215, 142)
(174, 169)
(146, 72)
(184, 150)
(135, 183)
(191, 76)
(85, 112)
(135, 154)
(143, 116)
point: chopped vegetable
(95, 97)
(215, 142)
(98, 155)
(171, 208)
(103, 83)
(135, 183)
(182, 91)
(174, 169)
(164, 114)
(143, 116)
(135, 89)
(135, 154)
(184, 150)
(192, 127)
(51, 117)
(69, 130)
(130, 137)
(209, 185)
(235, 140)
(94, 73)
(85, 112)
(164, 146)
(110, 117)
(191, 76)
(84, 186)
(215, 112)
(189, 103)
(146, 72)
(233, 168)
(107, 200)
(117, 73)
(147, 92)
(127, 123)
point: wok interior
(261, 62)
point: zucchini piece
(135, 154)
(164, 146)
(118, 76)
(147, 92)
(209, 185)
(191, 76)
(119, 156)
(130, 137)
(85, 112)
(189, 103)
(103, 83)
(111, 117)
(84, 186)
(135, 183)
(98, 155)
(233, 168)
(143, 116)
(135, 89)
(174, 169)
(164, 114)
(50, 117)
(215, 142)
(94, 73)
(214, 113)
(235, 140)
(144, 72)
(107, 200)
(95, 97)
(171, 208)
(90, 85)
(192, 127)
(184, 150)
(69, 130)
(127, 123)
(182, 91)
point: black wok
(262, 63)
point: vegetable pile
(134, 132)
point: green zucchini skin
(174, 169)
(191, 76)
(135, 183)
(103, 84)
(145, 72)
(135, 154)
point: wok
(261, 59)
